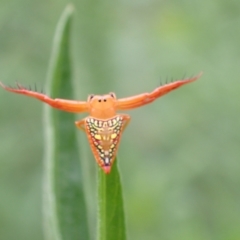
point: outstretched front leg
(145, 98)
(62, 104)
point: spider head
(102, 106)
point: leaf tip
(69, 8)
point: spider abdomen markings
(104, 136)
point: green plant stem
(111, 219)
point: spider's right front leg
(61, 104)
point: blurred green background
(179, 157)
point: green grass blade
(111, 219)
(64, 205)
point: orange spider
(103, 126)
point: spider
(104, 125)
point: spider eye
(104, 100)
(99, 100)
(90, 97)
(112, 95)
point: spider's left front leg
(146, 98)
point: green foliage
(65, 208)
(111, 220)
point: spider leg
(145, 98)
(126, 119)
(65, 105)
(80, 124)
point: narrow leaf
(64, 205)
(111, 220)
